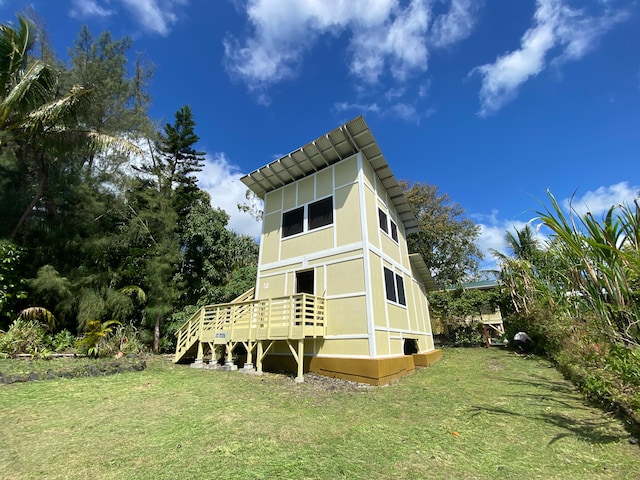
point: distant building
(337, 291)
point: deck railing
(283, 318)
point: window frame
(394, 230)
(286, 230)
(383, 224)
(306, 219)
(329, 213)
(395, 291)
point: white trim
(346, 295)
(352, 336)
(365, 252)
(316, 256)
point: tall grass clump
(578, 296)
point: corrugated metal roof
(419, 265)
(341, 143)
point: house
(337, 292)
(487, 315)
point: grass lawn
(477, 414)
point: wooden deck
(252, 322)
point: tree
(446, 239)
(41, 128)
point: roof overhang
(337, 145)
(424, 274)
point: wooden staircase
(252, 322)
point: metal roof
(419, 265)
(341, 143)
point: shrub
(24, 336)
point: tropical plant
(96, 335)
(599, 262)
(12, 285)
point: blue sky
(493, 101)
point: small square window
(292, 222)
(394, 231)
(383, 221)
(321, 213)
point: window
(321, 213)
(394, 230)
(383, 221)
(304, 282)
(389, 285)
(318, 214)
(394, 286)
(292, 222)
(400, 286)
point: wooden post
(259, 357)
(300, 377)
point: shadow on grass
(592, 431)
(562, 395)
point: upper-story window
(394, 230)
(314, 215)
(321, 213)
(387, 225)
(383, 221)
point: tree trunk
(156, 336)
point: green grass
(514, 418)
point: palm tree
(36, 120)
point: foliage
(577, 297)
(446, 239)
(459, 312)
(24, 336)
(63, 342)
(11, 284)
(110, 232)
(95, 337)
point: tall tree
(446, 239)
(160, 201)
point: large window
(321, 213)
(318, 214)
(292, 222)
(394, 286)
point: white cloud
(155, 16)
(457, 24)
(361, 107)
(599, 201)
(88, 8)
(493, 232)
(385, 37)
(221, 179)
(556, 27)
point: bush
(25, 337)
(63, 342)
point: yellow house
(337, 292)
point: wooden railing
(283, 318)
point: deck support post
(249, 348)
(259, 355)
(300, 377)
